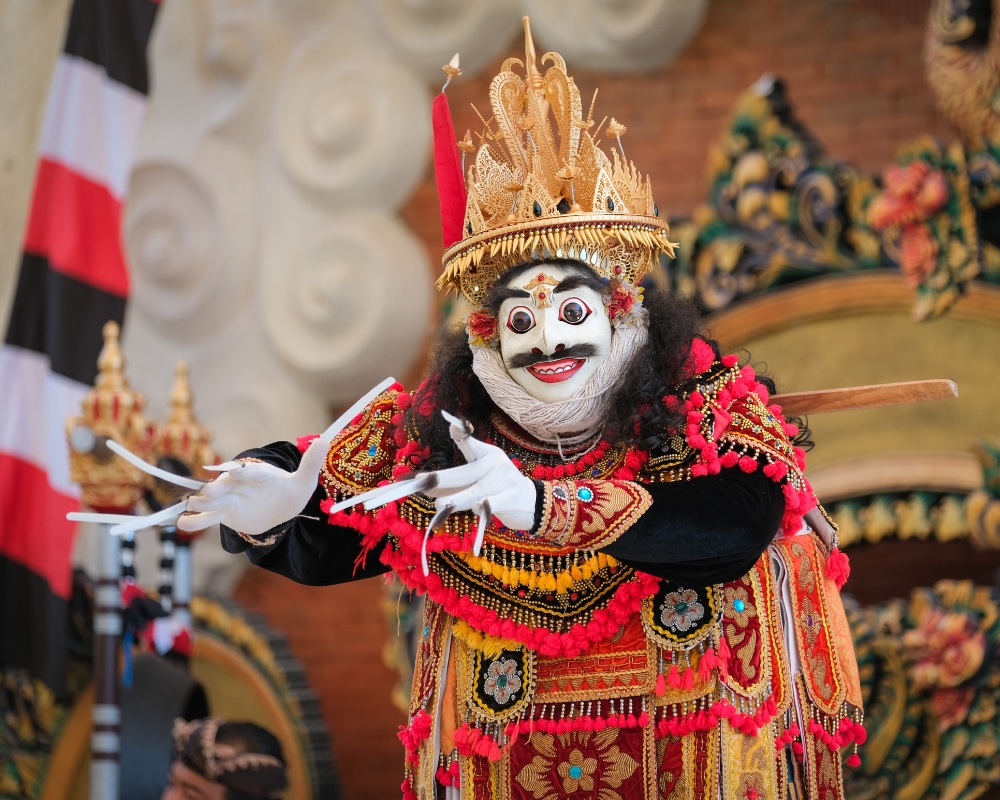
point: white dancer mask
(555, 334)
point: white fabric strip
(92, 123)
(27, 385)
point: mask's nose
(556, 349)
(549, 340)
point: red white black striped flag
(73, 279)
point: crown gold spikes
(541, 188)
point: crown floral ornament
(623, 302)
(540, 186)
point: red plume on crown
(448, 164)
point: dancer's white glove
(254, 497)
(489, 475)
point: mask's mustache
(530, 359)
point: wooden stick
(857, 397)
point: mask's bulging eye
(574, 311)
(520, 320)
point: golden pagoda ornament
(111, 410)
(182, 439)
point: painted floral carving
(503, 680)
(912, 195)
(946, 647)
(681, 609)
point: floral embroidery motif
(559, 767)
(681, 609)
(503, 680)
(577, 772)
(680, 618)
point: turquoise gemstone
(372, 451)
(427, 630)
(585, 494)
(575, 772)
(739, 605)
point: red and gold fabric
(745, 626)
(623, 667)
(612, 764)
(823, 674)
(589, 514)
(362, 456)
(748, 765)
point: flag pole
(110, 412)
(105, 739)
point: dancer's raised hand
(252, 497)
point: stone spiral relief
(426, 33)
(186, 246)
(350, 123)
(347, 304)
(611, 35)
(207, 63)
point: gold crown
(543, 197)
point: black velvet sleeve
(708, 530)
(310, 551)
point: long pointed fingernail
(485, 519)
(224, 467)
(464, 427)
(443, 513)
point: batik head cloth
(227, 753)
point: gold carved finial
(182, 437)
(111, 362)
(111, 410)
(180, 395)
(451, 70)
(534, 76)
(616, 130)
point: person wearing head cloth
(219, 760)
(630, 589)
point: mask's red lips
(556, 371)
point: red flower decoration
(482, 326)
(621, 301)
(912, 195)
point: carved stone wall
(261, 227)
